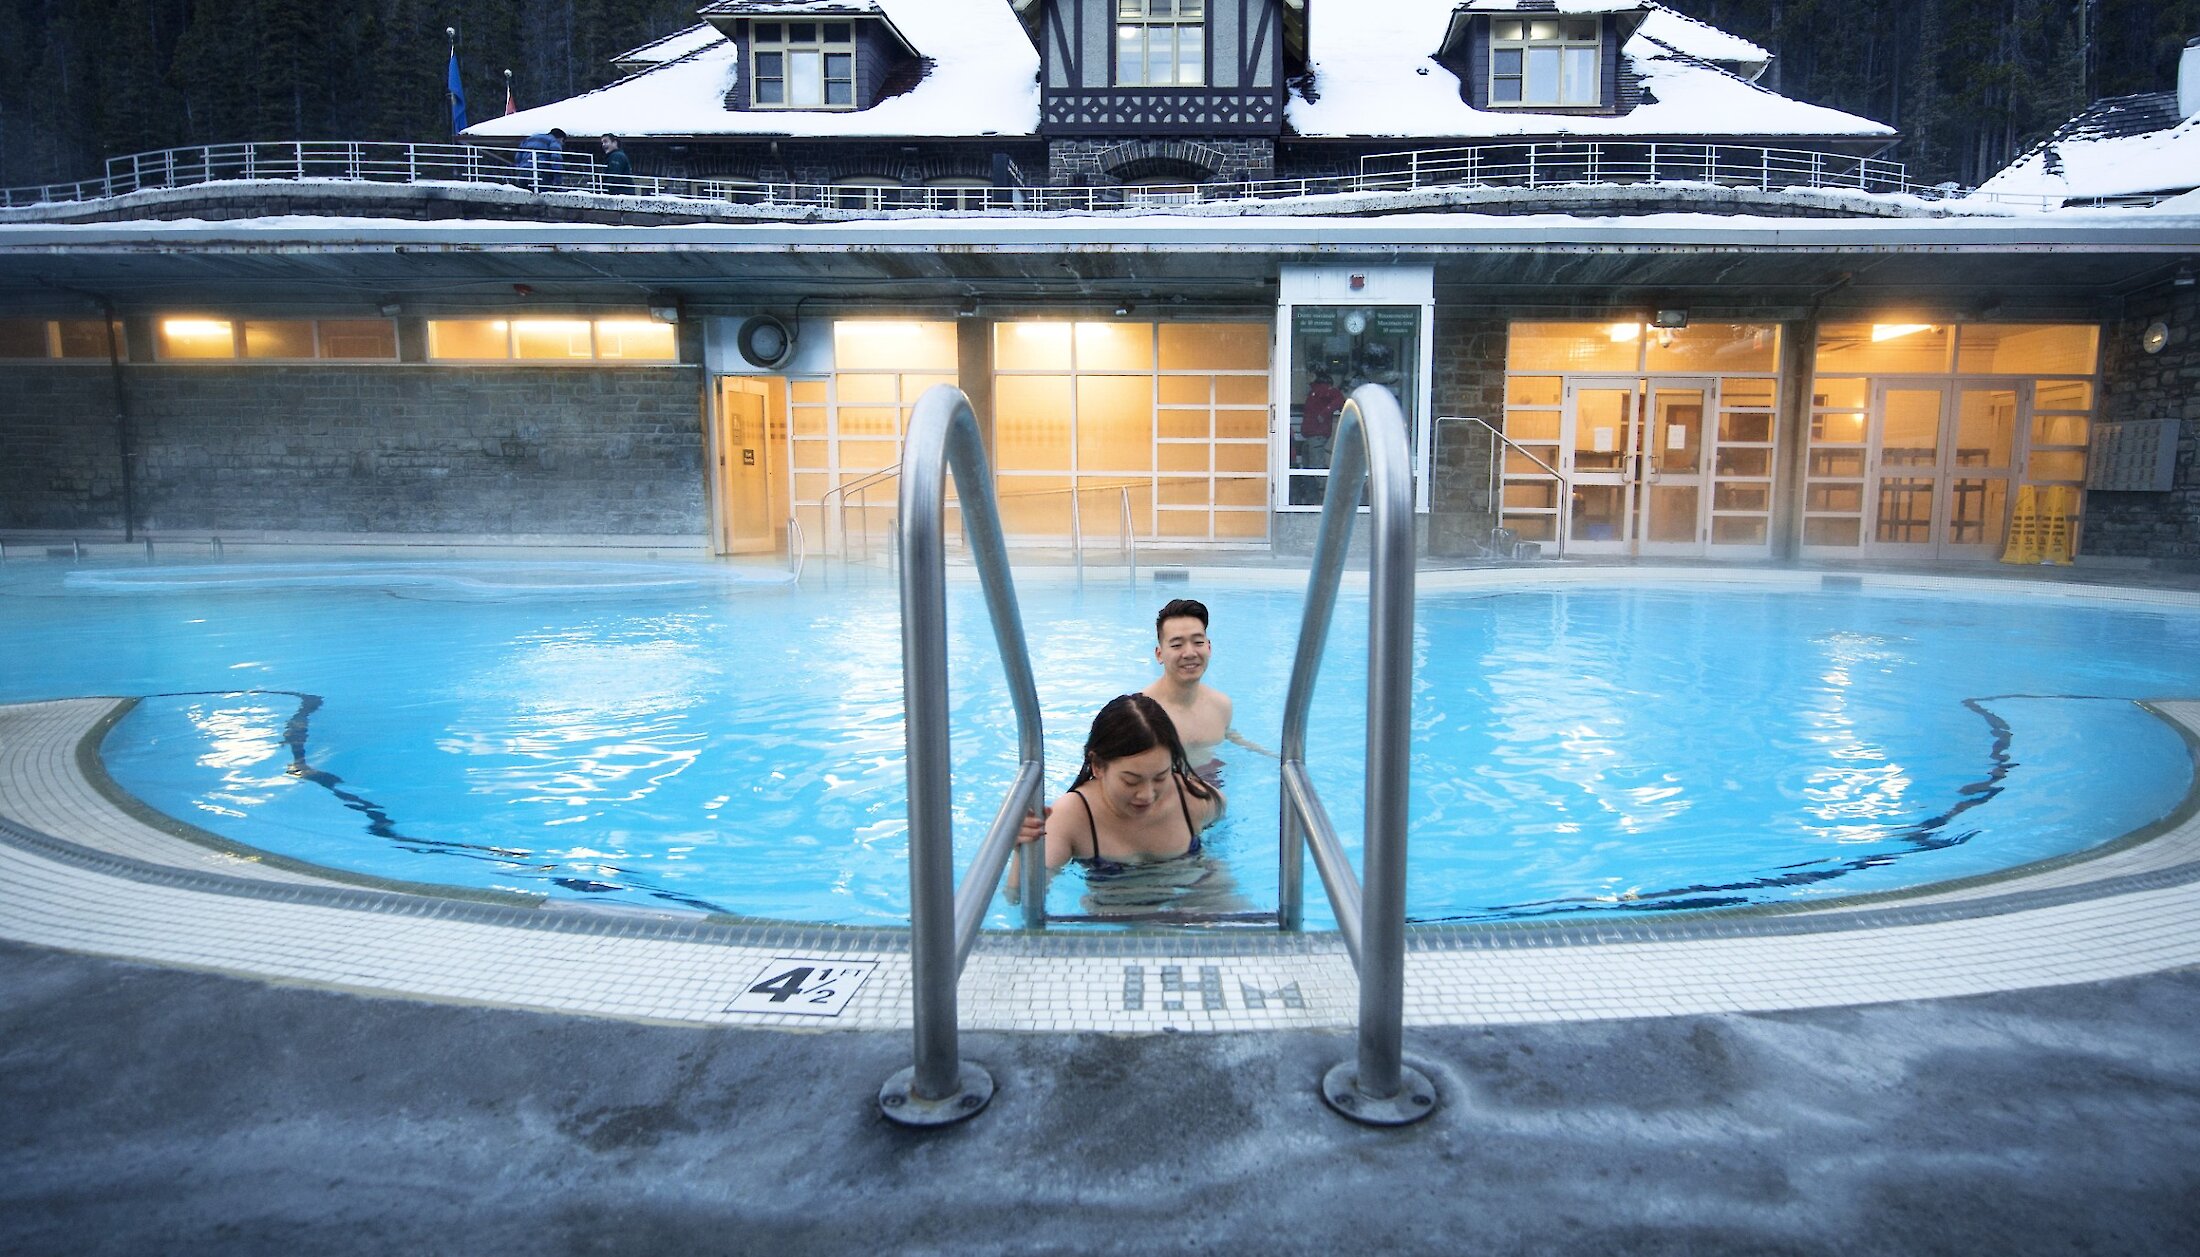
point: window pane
(1191, 44)
(1883, 347)
(1246, 425)
(1839, 394)
(805, 78)
(1745, 426)
(1130, 66)
(2017, 348)
(467, 338)
(552, 339)
(801, 32)
(1506, 61)
(771, 91)
(1574, 347)
(2059, 430)
(1543, 30)
(1031, 346)
(635, 340)
(1505, 91)
(1543, 75)
(769, 65)
(2060, 465)
(894, 344)
(1745, 461)
(1115, 346)
(1241, 390)
(22, 338)
(2062, 395)
(840, 65)
(767, 32)
(1832, 532)
(1533, 390)
(1581, 28)
(1986, 427)
(359, 338)
(1215, 346)
(1114, 423)
(1185, 425)
(86, 338)
(1837, 428)
(1031, 422)
(1715, 347)
(836, 33)
(1506, 29)
(197, 338)
(1581, 77)
(286, 338)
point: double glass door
(1945, 458)
(1636, 465)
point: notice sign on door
(803, 985)
(1606, 440)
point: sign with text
(803, 985)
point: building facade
(1619, 322)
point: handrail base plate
(1415, 1100)
(899, 1102)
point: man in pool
(1200, 712)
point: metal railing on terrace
(1493, 165)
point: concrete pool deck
(2008, 1064)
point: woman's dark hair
(1132, 724)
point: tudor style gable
(1162, 67)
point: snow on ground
(984, 81)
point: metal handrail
(1370, 449)
(799, 543)
(843, 490)
(943, 922)
(1497, 472)
(1499, 164)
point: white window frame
(1146, 24)
(828, 40)
(1563, 36)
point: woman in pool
(1136, 809)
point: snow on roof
(1375, 74)
(2094, 156)
(1683, 33)
(984, 80)
(671, 48)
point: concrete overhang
(2067, 265)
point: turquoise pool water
(674, 734)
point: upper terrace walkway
(1675, 169)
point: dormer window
(1545, 62)
(803, 65)
(1160, 43)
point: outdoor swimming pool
(674, 734)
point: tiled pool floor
(80, 871)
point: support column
(1798, 352)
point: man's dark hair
(1180, 607)
(558, 132)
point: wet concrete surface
(146, 1110)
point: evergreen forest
(1970, 83)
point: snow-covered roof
(984, 80)
(671, 48)
(1375, 74)
(2122, 146)
(1372, 61)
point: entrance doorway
(750, 502)
(1946, 460)
(1636, 455)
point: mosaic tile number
(802, 985)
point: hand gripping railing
(1378, 1088)
(943, 922)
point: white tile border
(1133, 985)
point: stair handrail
(1371, 449)
(943, 438)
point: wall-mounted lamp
(968, 309)
(1672, 317)
(2184, 277)
(388, 309)
(1123, 309)
(666, 312)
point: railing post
(943, 434)
(1376, 1087)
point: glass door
(1603, 442)
(1906, 477)
(1672, 462)
(1982, 465)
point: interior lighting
(1123, 309)
(195, 327)
(1621, 333)
(667, 312)
(1896, 331)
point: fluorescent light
(1895, 331)
(1621, 333)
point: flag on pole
(510, 106)
(455, 88)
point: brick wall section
(1469, 372)
(2161, 527)
(1104, 161)
(60, 466)
(386, 449)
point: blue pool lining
(1877, 910)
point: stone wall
(1469, 382)
(2162, 528)
(1111, 160)
(398, 449)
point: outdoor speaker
(764, 342)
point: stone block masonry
(383, 449)
(2161, 528)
